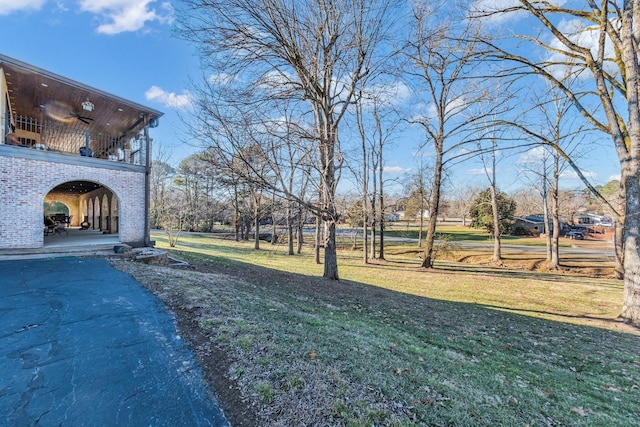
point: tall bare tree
(440, 56)
(418, 190)
(599, 42)
(555, 127)
(316, 52)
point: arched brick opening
(26, 200)
(87, 201)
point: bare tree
(610, 61)
(364, 178)
(490, 172)
(555, 128)
(418, 189)
(318, 53)
(440, 59)
(463, 197)
(161, 175)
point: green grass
(458, 233)
(391, 344)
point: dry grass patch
(391, 344)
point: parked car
(575, 234)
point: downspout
(147, 188)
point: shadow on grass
(406, 306)
(486, 270)
(373, 332)
(617, 321)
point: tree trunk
(374, 216)
(316, 249)
(327, 159)
(381, 208)
(299, 234)
(299, 240)
(330, 253)
(630, 168)
(289, 229)
(545, 214)
(236, 213)
(274, 229)
(497, 244)
(631, 302)
(256, 226)
(365, 186)
(555, 214)
(365, 237)
(421, 213)
(428, 260)
(618, 247)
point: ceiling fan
(83, 119)
(65, 113)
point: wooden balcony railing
(74, 140)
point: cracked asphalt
(82, 344)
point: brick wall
(25, 183)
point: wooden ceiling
(75, 187)
(45, 96)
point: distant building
(392, 217)
(588, 219)
(528, 225)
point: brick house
(73, 145)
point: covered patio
(74, 151)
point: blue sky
(126, 47)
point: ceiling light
(87, 105)
(44, 85)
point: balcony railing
(65, 139)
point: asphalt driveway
(82, 344)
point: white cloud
(391, 94)
(395, 170)
(222, 78)
(276, 79)
(534, 155)
(586, 36)
(169, 99)
(571, 174)
(430, 112)
(9, 6)
(615, 177)
(491, 11)
(481, 171)
(127, 15)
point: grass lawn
(458, 233)
(391, 344)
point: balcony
(76, 140)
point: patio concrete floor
(74, 242)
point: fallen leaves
(579, 410)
